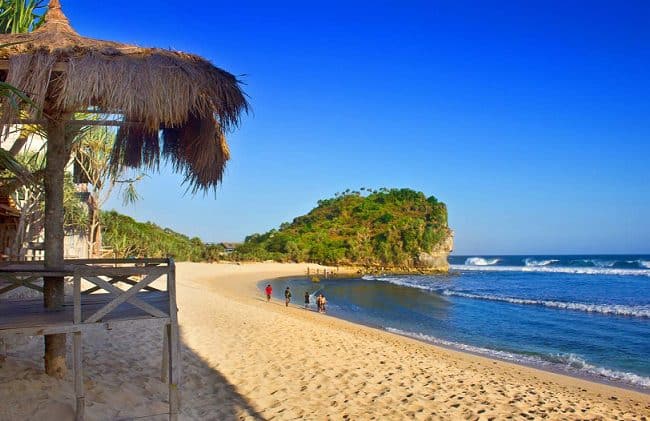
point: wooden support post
(78, 376)
(174, 345)
(173, 374)
(77, 352)
(56, 157)
(77, 298)
(164, 369)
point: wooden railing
(91, 308)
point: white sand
(244, 358)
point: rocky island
(391, 230)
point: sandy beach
(244, 358)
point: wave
(603, 262)
(640, 311)
(608, 263)
(558, 269)
(481, 261)
(533, 262)
(609, 309)
(402, 281)
(565, 362)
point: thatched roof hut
(191, 102)
(172, 105)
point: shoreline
(569, 378)
(458, 347)
(243, 358)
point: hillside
(129, 238)
(391, 229)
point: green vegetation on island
(370, 228)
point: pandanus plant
(18, 16)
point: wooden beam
(116, 292)
(121, 271)
(115, 261)
(9, 288)
(129, 281)
(150, 322)
(121, 298)
(16, 282)
(43, 330)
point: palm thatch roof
(179, 106)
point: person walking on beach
(269, 291)
(306, 299)
(323, 302)
(287, 296)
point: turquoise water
(580, 315)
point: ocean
(586, 316)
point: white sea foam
(644, 263)
(481, 261)
(533, 262)
(565, 362)
(557, 269)
(642, 311)
(404, 281)
(609, 309)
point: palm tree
(92, 156)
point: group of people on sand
(321, 301)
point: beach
(244, 358)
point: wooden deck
(102, 305)
(18, 315)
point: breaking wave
(533, 262)
(441, 287)
(566, 362)
(480, 261)
(559, 269)
(609, 309)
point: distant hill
(130, 238)
(392, 229)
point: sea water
(586, 316)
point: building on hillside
(228, 247)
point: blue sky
(531, 120)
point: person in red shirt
(269, 291)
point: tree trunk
(94, 231)
(53, 292)
(20, 141)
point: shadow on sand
(122, 382)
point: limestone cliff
(436, 259)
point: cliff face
(435, 260)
